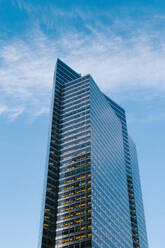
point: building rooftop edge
(67, 66)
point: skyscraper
(92, 193)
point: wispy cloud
(21, 4)
(27, 66)
(11, 113)
(3, 109)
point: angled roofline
(68, 67)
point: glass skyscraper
(92, 193)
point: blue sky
(122, 45)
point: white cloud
(11, 112)
(114, 61)
(3, 109)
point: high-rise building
(92, 192)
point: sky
(122, 45)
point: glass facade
(92, 195)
